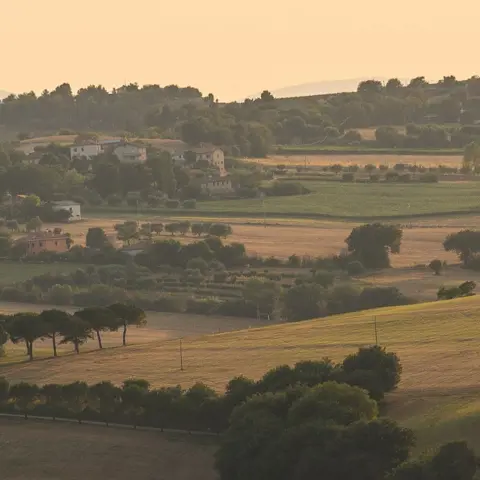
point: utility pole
(376, 332)
(181, 355)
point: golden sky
(231, 48)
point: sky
(232, 49)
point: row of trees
(199, 407)
(62, 327)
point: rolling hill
(436, 342)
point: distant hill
(323, 87)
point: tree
(331, 401)
(266, 96)
(454, 460)
(100, 319)
(172, 228)
(24, 396)
(127, 231)
(436, 265)
(76, 397)
(55, 322)
(96, 238)
(157, 228)
(385, 368)
(34, 225)
(128, 315)
(417, 82)
(471, 157)
(133, 400)
(370, 86)
(183, 227)
(393, 86)
(106, 397)
(53, 395)
(466, 244)
(198, 229)
(76, 332)
(264, 295)
(372, 243)
(26, 327)
(465, 289)
(220, 230)
(3, 338)
(305, 301)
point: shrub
(198, 264)
(355, 268)
(172, 203)
(294, 261)
(391, 176)
(114, 200)
(436, 266)
(428, 178)
(323, 278)
(190, 203)
(348, 177)
(374, 178)
(60, 295)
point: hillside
(47, 451)
(437, 344)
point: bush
(190, 203)
(355, 268)
(114, 200)
(391, 176)
(198, 264)
(375, 178)
(428, 178)
(436, 266)
(284, 189)
(172, 203)
(348, 177)
(60, 295)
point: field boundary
(343, 150)
(283, 215)
(123, 426)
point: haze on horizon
(231, 50)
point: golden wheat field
(422, 240)
(57, 451)
(360, 160)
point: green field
(338, 200)
(12, 272)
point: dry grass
(421, 243)
(441, 333)
(360, 160)
(436, 342)
(54, 451)
(160, 327)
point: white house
(131, 153)
(89, 150)
(72, 207)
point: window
(40, 244)
(56, 243)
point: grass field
(12, 272)
(55, 451)
(361, 200)
(345, 158)
(436, 342)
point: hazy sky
(231, 48)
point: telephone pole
(376, 332)
(181, 355)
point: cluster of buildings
(135, 153)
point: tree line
(63, 328)
(251, 127)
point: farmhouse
(131, 153)
(45, 242)
(88, 150)
(69, 206)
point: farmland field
(361, 200)
(54, 451)
(422, 240)
(345, 158)
(436, 342)
(160, 327)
